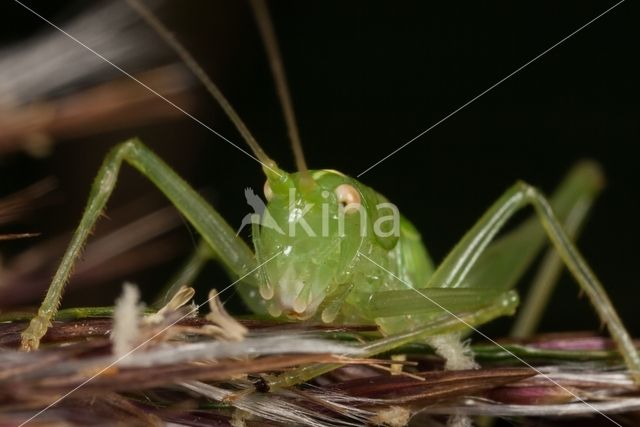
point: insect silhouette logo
(260, 214)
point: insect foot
(36, 330)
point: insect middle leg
(235, 255)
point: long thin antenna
(265, 26)
(199, 72)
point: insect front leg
(231, 250)
(457, 268)
(190, 270)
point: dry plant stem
(15, 205)
(17, 236)
(111, 106)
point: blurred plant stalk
(51, 88)
(118, 104)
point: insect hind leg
(457, 268)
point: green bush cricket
(336, 257)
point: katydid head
(311, 228)
(311, 232)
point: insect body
(338, 251)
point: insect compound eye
(268, 192)
(348, 197)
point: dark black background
(366, 77)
